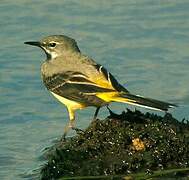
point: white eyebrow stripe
(54, 42)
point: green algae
(121, 145)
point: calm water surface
(144, 43)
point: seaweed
(121, 146)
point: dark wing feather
(109, 77)
(75, 86)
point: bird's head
(56, 45)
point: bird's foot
(112, 114)
(63, 138)
(70, 125)
(110, 111)
(94, 119)
(77, 130)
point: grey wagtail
(78, 81)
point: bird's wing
(105, 79)
(75, 86)
(73, 79)
(83, 85)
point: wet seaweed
(131, 142)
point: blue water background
(144, 43)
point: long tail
(144, 102)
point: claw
(112, 114)
(110, 111)
(63, 138)
(77, 130)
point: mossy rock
(132, 142)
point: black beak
(33, 43)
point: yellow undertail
(135, 100)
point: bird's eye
(51, 45)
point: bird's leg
(96, 113)
(110, 111)
(71, 122)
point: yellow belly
(69, 103)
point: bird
(77, 81)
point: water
(143, 43)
